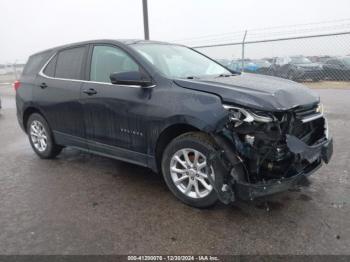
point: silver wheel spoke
(185, 154)
(188, 188)
(34, 130)
(202, 165)
(196, 157)
(179, 180)
(202, 174)
(179, 171)
(196, 189)
(205, 184)
(177, 158)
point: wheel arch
(167, 135)
(28, 112)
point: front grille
(310, 132)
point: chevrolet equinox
(213, 133)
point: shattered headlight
(319, 108)
(246, 115)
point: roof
(122, 41)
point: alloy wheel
(189, 171)
(38, 135)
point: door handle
(43, 85)
(90, 91)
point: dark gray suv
(213, 133)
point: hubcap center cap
(192, 172)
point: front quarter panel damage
(260, 159)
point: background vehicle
(264, 67)
(319, 59)
(297, 68)
(213, 134)
(249, 65)
(337, 68)
(224, 62)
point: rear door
(57, 93)
(114, 114)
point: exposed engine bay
(265, 152)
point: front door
(114, 114)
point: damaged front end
(264, 153)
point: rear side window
(69, 63)
(107, 60)
(50, 68)
(34, 64)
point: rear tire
(186, 176)
(40, 137)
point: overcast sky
(28, 26)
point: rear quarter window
(50, 68)
(70, 63)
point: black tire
(52, 149)
(206, 146)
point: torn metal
(263, 153)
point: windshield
(178, 61)
(300, 60)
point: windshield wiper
(225, 75)
(192, 77)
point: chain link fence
(314, 52)
(9, 72)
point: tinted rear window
(34, 64)
(69, 63)
(50, 68)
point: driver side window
(107, 60)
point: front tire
(185, 169)
(40, 137)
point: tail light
(16, 85)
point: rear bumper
(322, 152)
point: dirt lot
(84, 204)
(328, 85)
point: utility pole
(243, 47)
(145, 19)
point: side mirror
(131, 78)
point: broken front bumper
(315, 154)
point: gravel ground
(85, 204)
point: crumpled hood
(255, 91)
